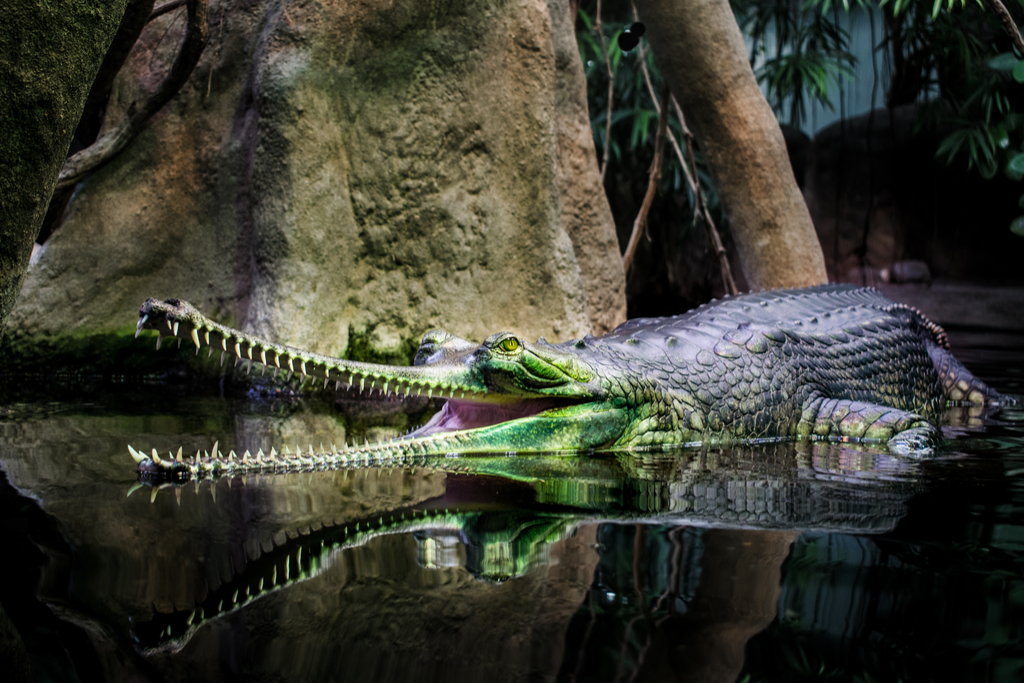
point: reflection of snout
(439, 549)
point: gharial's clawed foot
(917, 442)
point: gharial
(827, 362)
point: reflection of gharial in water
(829, 362)
(776, 487)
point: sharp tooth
(263, 356)
(152, 496)
(222, 355)
(177, 495)
(238, 349)
(250, 353)
(215, 445)
(245, 457)
(155, 457)
(139, 458)
(206, 337)
(277, 362)
(463, 394)
(159, 338)
(326, 380)
(430, 392)
(385, 392)
(362, 380)
(259, 455)
(337, 385)
(179, 339)
(190, 618)
(179, 454)
(303, 366)
(170, 325)
(175, 329)
(195, 339)
(273, 452)
(223, 343)
(138, 325)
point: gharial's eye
(509, 345)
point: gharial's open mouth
(458, 415)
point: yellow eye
(509, 345)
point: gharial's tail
(959, 383)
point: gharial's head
(506, 366)
(504, 395)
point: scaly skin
(829, 362)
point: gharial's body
(833, 361)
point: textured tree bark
(50, 52)
(701, 53)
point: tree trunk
(701, 53)
(50, 52)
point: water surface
(776, 562)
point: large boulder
(341, 177)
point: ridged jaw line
(181, 320)
(531, 399)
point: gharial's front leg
(904, 432)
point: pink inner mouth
(458, 415)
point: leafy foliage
(960, 62)
(808, 57)
(953, 56)
(634, 111)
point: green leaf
(1017, 226)
(1016, 164)
(936, 7)
(1003, 62)
(1018, 72)
(988, 168)
(1013, 175)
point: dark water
(774, 563)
